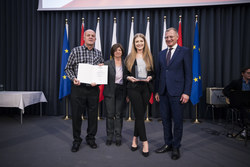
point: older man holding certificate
(84, 95)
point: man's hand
(93, 84)
(157, 97)
(184, 98)
(76, 82)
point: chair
(240, 101)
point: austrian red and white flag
(147, 36)
(131, 36)
(82, 34)
(98, 46)
(114, 39)
(179, 42)
(164, 45)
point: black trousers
(84, 97)
(114, 113)
(139, 97)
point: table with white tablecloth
(21, 99)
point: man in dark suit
(173, 88)
(240, 84)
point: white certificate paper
(88, 73)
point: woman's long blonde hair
(147, 56)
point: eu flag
(65, 82)
(196, 92)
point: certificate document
(88, 73)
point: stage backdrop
(31, 43)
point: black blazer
(134, 84)
(234, 85)
(109, 89)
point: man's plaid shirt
(81, 54)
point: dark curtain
(31, 43)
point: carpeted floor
(46, 142)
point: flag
(98, 46)
(65, 83)
(131, 36)
(114, 40)
(179, 42)
(82, 34)
(98, 38)
(196, 92)
(164, 45)
(147, 36)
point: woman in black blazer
(115, 95)
(139, 74)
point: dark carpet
(46, 142)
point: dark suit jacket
(234, 85)
(109, 89)
(177, 76)
(134, 84)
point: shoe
(108, 142)
(134, 148)
(118, 143)
(145, 145)
(164, 148)
(92, 144)
(145, 154)
(175, 154)
(75, 147)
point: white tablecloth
(21, 99)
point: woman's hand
(132, 79)
(149, 78)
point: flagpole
(98, 117)
(129, 113)
(196, 115)
(147, 118)
(67, 109)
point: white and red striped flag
(179, 42)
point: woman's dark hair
(114, 47)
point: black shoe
(164, 148)
(108, 142)
(145, 154)
(134, 148)
(75, 147)
(118, 143)
(92, 144)
(175, 154)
